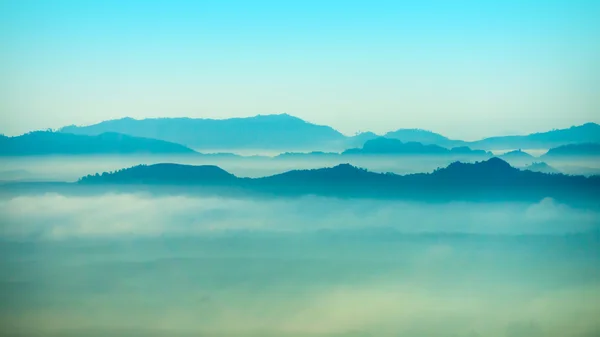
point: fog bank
(55, 216)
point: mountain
(390, 146)
(285, 132)
(586, 133)
(423, 137)
(360, 139)
(259, 132)
(574, 150)
(541, 167)
(516, 154)
(164, 174)
(493, 179)
(46, 143)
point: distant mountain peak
(488, 168)
(541, 167)
(414, 131)
(281, 115)
(494, 162)
(48, 142)
(578, 149)
(345, 167)
(587, 125)
(517, 154)
(274, 131)
(164, 173)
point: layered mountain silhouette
(285, 132)
(259, 132)
(487, 180)
(165, 174)
(574, 150)
(382, 146)
(360, 139)
(517, 156)
(541, 167)
(47, 142)
(424, 137)
(589, 132)
(389, 146)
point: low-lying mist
(141, 265)
(57, 216)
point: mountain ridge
(287, 132)
(52, 143)
(392, 146)
(490, 179)
(574, 150)
(279, 131)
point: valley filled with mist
(143, 265)
(116, 235)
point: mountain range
(55, 143)
(424, 137)
(574, 150)
(285, 132)
(493, 179)
(392, 146)
(259, 132)
(382, 146)
(541, 167)
(586, 133)
(516, 154)
(60, 143)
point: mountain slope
(589, 132)
(493, 179)
(360, 139)
(423, 137)
(574, 150)
(285, 132)
(259, 132)
(45, 143)
(541, 167)
(164, 174)
(390, 146)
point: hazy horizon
(348, 134)
(465, 71)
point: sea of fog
(142, 265)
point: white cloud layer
(57, 216)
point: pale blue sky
(466, 69)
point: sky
(466, 69)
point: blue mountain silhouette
(389, 146)
(574, 150)
(423, 137)
(541, 167)
(47, 142)
(589, 132)
(486, 180)
(260, 132)
(166, 174)
(516, 154)
(287, 132)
